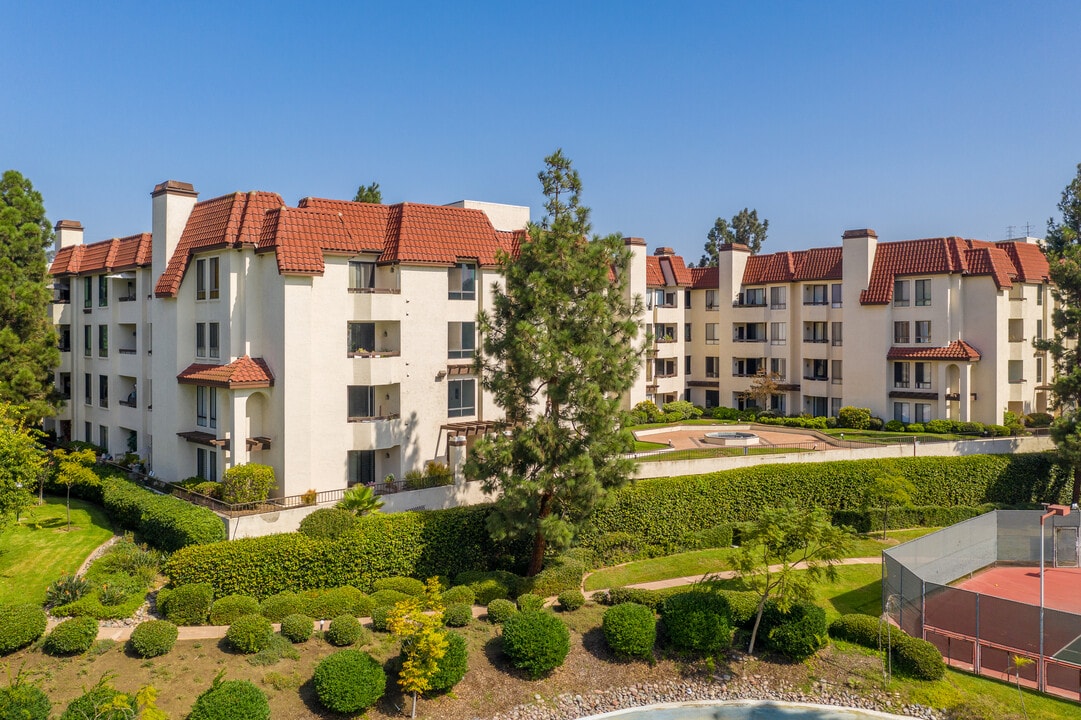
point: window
(836, 333)
(103, 391)
(213, 279)
(665, 367)
(200, 339)
(1039, 370)
(361, 338)
(63, 341)
(206, 406)
(778, 298)
(901, 412)
(88, 290)
(711, 334)
(777, 402)
(1039, 294)
(664, 299)
(361, 274)
(461, 340)
(923, 331)
(103, 291)
(200, 279)
(923, 377)
(88, 343)
(746, 367)
(361, 467)
(755, 297)
(463, 281)
(711, 300)
(361, 402)
(713, 398)
(88, 432)
(1017, 292)
(835, 407)
(923, 293)
(687, 299)
(713, 368)
(687, 365)
(1016, 371)
(666, 333)
(748, 332)
(1039, 329)
(777, 333)
(835, 291)
(815, 405)
(461, 398)
(815, 294)
(206, 464)
(686, 332)
(778, 366)
(814, 332)
(1016, 330)
(103, 438)
(922, 412)
(215, 347)
(900, 374)
(900, 333)
(88, 389)
(900, 293)
(103, 341)
(815, 370)
(836, 375)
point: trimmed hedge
(388, 598)
(71, 637)
(630, 629)
(327, 604)
(153, 638)
(563, 573)
(379, 618)
(89, 704)
(186, 604)
(20, 625)
(698, 621)
(349, 681)
(163, 521)
(500, 610)
(228, 609)
(297, 628)
(328, 524)
(459, 594)
(344, 630)
(536, 642)
(871, 519)
(571, 600)
(249, 634)
(918, 658)
(231, 700)
(864, 630)
(488, 586)
(530, 603)
(911, 656)
(797, 634)
(407, 585)
(277, 607)
(458, 615)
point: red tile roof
(957, 350)
(798, 266)
(1002, 261)
(655, 276)
(242, 372)
(105, 256)
(226, 221)
(707, 278)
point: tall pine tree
(559, 350)
(744, 229)
(28, 352)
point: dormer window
(361, 275)
(463, 281)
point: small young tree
(1018, 662)
(764, 386)
(785, 552)
(360, 500)
(74, 467)
(888, 490)
(21, 462)
(419, 624)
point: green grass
(857, 589)
(696, 421)
(700, 453)
(891, 437)
(645, 446)
(38, 549)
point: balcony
(817, 378)
(380, 433)
(749, 339)
(376, 303)
(377, 369)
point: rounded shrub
(458, 615)
(918, 658)
(343, 600)
(20, 625)
(490, 585)
(698, 621)
(277, 607)
(24, 701)
(379, 618)
(407, 585)
(452, 666)
(459, 594)
(152, 638)
(389, 597)
(187, 604)
(536, 642)
(895, 426)
(249, 634)
(226, 610)
(89, 704)
(742, 606)
(297, 628)
(630, 629)
(349, 681)
(799, 633)
(72, 637)
(500, 610)
(530, 603)
(864, 630)
(344, 630)
(571, 600)
(328, 523)
(231, 700)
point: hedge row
(665, 515)
(163, 521)
(872, 519)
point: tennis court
(1062, 586)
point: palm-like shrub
(360, 500)
(349, 681)
(536, 642)
(67, 588)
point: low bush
(998, 430)
(406, 585)
(918, 658)
(388, 598)
(92, 704)
(630, 629)
(277, 607)
(208, 488)
(536, 642)
(247, 483)
(698, 620)
(742, 606)
(459, 594)
(67, 588)
(530, 603)
(328, 524)
(379, 618)
(436, 474)
(458, 615)
(718, 536)
(452, 666)
(249, 634)
(614, 548)
(500, 610)
(297, 628)
(571, 600)
(24, 701)
(914, 427)
(344, 630)
(895, 426)
(20, 625)
(224, 611)
(562, 573)
(231, 700)
(911, 656)
(864, 630)
(684, 408)
(71, 637)
(187, 604)
(939, 427)
(488, 586)
(854, 417)
(797, 634)
(653, 599)
(349, 681)
(1039, 420)
(153, 638)
(345, 600)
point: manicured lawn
(699, 453)
(38, 549)
(646, 446)
(893, 437)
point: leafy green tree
(1064, 254)
(419, 624)
(558, 352)
(888, 490)
(785, 552)
(360, 500)
(743, 229)
(74, 467)
(369, 194)
(21, 462)
(28, 351)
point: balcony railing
(818, 378)
(374, 418)
(126, 298)
(816, 302)
(126, 351)
(61, 301)
(127, 403)
(778, 306)
(815, 340)
(754, 339)
(375, 291)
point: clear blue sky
(914, 118)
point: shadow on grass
(866, 599)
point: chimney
(664, 251)
(858, 257)
(173, 202)
(68, 234)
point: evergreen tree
(558, 352)
(743, 229)
(28, 351)
(1064, 254)
(369, 194)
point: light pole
(1051, 511)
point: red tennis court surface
(1062, 586)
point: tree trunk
(69, 506)
(1075, 496)
(536, 560)
(414, 704)
(757, 621)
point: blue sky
(916, 119)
